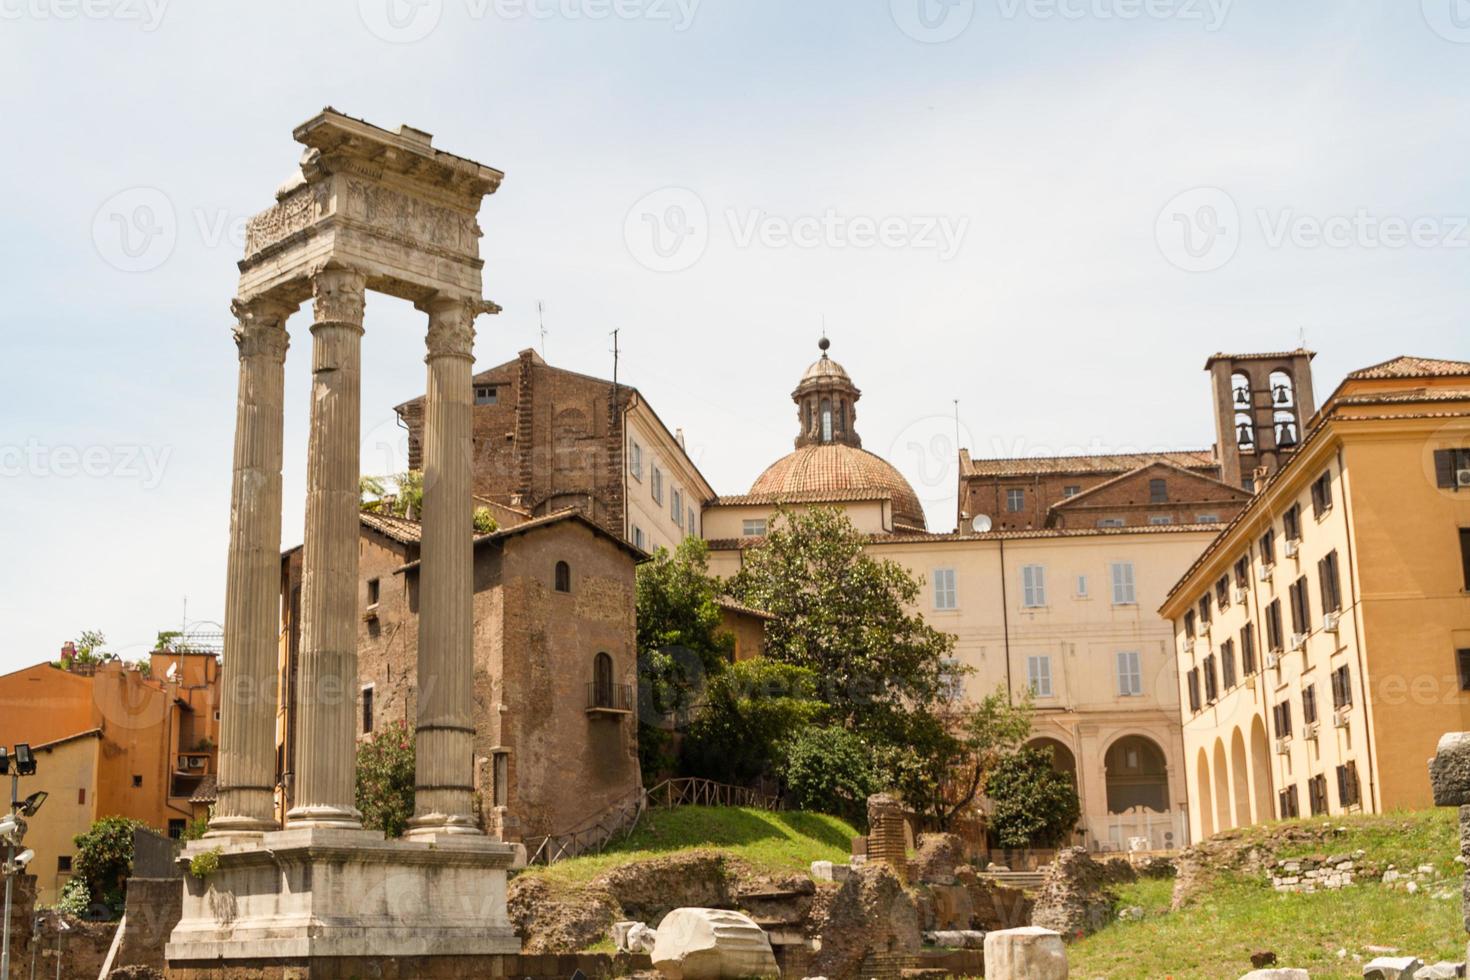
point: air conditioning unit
(1239, 594)
(1293, 548)
(1283, 746)
(1340, 717)
(1265, 573)
(1189, 644)
(1462, 479)
(1311, 730)
(187, 762)
(1298, 641)
(1273, 659)
(1330, 621)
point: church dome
(836, 471)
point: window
(753, 529)
(1309, 704)
(1301, 609)
(944, 590)
(1243, 572)
(1212, 680)
(1290, 809)
(1194, 702)
(1207, 518)
(1291, 522)
(1227, 663)
(1274, 639)
(1158, 491)
(175, 830)
(1342, 688)
(691, 527)
(500, 777)
(1033, 585)
(640, 540)
(1015, 501)
(81, 796)
(1281, 717)
(1452, 469)
(1248, 648)
(1462, 658)
(374, 588)
(656, 483)
(1125, 592)
(63, 864)
(1222, 593)
(1205, 615)
(951, 681)
(1082, 586)
(1159, 520)
(826, 420)
(1038, 675)
(563, 577)
(676, 508)
(1268, 548)
(1070, 491)
(1322, 495)
(602, 681)
(1130, 674)
(137, 782)
(1330, 583)
(1347, 785)
(635, 461)
(367, 708)
(1111, 522)
(486, 395)
(1189, 623)
(1465, 554)
(1317, 795)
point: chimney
(679, 438)
(68, 653)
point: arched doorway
(1261, 771)
(1205, 804)
(1137, 775)
(1222, 788)
(1062, 759)
(1240, 778)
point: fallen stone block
(1392, 968)
(1449, 770)
(711, 944)
(1280, 973)
(1441, 971)
(1028, 953)
(956, 938)
(830, 871)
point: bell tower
(1263, 403)
(826, 402)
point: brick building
(555, 664)
(547, 439)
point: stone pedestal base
(293, 903)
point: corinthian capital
(337, 295)
(260, 327)
(452, 325)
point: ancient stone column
(444, 741)
(1449, 779)
(327, 673)
(247, 750)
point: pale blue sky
(1052, 139)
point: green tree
(406, 500)
(104, 859)
(1032, 805)
(485, 522)
(829, 770)
(749, 710)
(847, 617)
(385, 779)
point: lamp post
(13, 830)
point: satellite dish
(982, 523)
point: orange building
(112, 740)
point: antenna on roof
(957, 446)
(615, 353)
(541, 319)
(1301, 338)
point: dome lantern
(825, 403)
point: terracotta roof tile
(1412, 367)
(1117, 463)
(840, 472)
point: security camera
(12, 829)
(22, 859)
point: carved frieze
(410, 217)
(291, 214)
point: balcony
(609, 699)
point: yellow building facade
(1323, 640)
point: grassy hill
(1235, 911)
(775, 843)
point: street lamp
(13, 830)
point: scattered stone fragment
(1441, 971)
(1392, 968)
(711, 944)
(828, 871)
(1449, 770)
(1028, 953)
(956, 938)
(1286, 973)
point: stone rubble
(1029, 953)
(1277, 974)
(1392, 968)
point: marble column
(327, 673)
(444, 741)
(247, 751)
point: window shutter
(1444, 468)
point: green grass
(773, 843)
(1215, 935)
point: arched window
(563, 577)
(1286, 433)
(1240, 392)
(842, 417)
(826, 420)
(602, 681)
(1245, 431)
(1283, 390)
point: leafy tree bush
(749, 710)
(485, 522)
(829, 770)
(75, 898)
(1033, 805)
(680, 640)
(385, 778)
(104, 859)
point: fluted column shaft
(327, 675)
(444, 741)
(247, 751)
